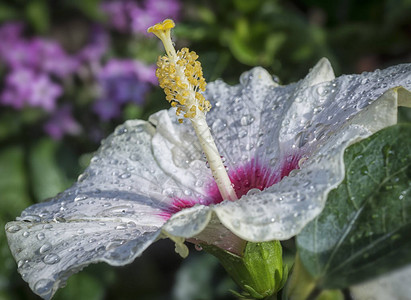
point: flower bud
(259, 271)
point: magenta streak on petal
(253, 175)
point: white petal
(321, 72)
(238, 118)
(349, 112)
(48, 253)
(282, 210)
(112, 214)
(189, 222)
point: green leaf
(7, 12)
(81, 286)
(46, 176)
(365, 228)
(195, 277)
(38, 13)
(13, 198)
(13, 186)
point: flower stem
(213, 157)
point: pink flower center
(253, 175)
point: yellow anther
(180, 74)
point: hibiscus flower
(280, 148)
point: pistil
(181, 77)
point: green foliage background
(286, 37)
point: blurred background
(72, 70)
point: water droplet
(322, 91)
(82, 177)
(365, 81)
(124, 175)
(13, 228)
(40, 236)
(198, 247)
(26, 234)
(30, 218)
(20, 263)
(121, 227)
(135, 157)
(131, 224)
(219, 125)
(45, 248)
(80, 198)
(253, 192)
(247, 120)
(120, 130)
(364, 170)
(242, 133)
(80, 231)
(51, 259)
(59, 219)
(43, 287)
(47, 226)
(115, 244)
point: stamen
(181, 76)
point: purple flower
(9, 35)
(52, 58)
(117, 14)
(97, 46)
(37, 53)
(19, 53)
(17, 87)
(141, 19)
(125, 15)
(26, 87)
(121, 81)
(165, 9)
(61, 123)
(44, 93)
(106, 109)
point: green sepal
(259, 271)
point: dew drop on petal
(219, 125)
(40, 236)
(247, 120)
(51, 259)
(242, 133)
(253, 192)
(120, 130)
(43, 286)
(30, 218)
(322, 91)
(80, 198)
(135, 157)
(121, 227)
(82, 177)
(13, 228)
(45, 248)
(125, 175)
